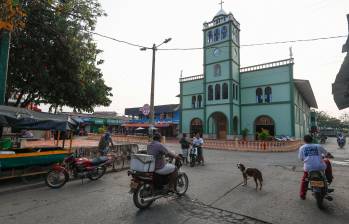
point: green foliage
(244, 132)
(263, 135)
(54, 58)
(325, 120)
(102, 130)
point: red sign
(145, 109)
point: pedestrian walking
(104, 142)
(185, 147)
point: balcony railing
(245, 69)
(220, 20)
(191, 78)
(267, 65)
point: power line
(243, 45)
(120, 41)
(200, 48)
(294, 41)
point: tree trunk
(19, 98)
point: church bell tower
(221, 74)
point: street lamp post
(151, 120)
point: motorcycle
(148, 186)
(319, 187)
(341, 142)
(323, 139)
(93, 169)
(193, 155)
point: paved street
(215, 195)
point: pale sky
(128, 70)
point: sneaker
(329, 198)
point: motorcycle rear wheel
(192, 161)
(182, 184)
(141, 192)
(97, 173)
(319, 200)
(56, 178)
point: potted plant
(263, 135)
(244, 134)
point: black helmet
(157, 137)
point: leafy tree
(324, 120)
(54, 58)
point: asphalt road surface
(215, 195)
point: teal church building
(226, 98)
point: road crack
(226, 193)
(202, 211)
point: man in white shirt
(312, 156)
(198, 141)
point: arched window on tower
(225, 91)
(193, 101)
(217, 92)
(199, 101)
(224, 32)
(267, 94)
(216, 34)
(217, 70)
(210, 37)
(234, 91)
(210, 92)
(259, 95)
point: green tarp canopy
(21, 118)
(113, 122)
(98, 121)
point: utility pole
(152, 89)
(152, 112)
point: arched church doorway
(196, 126)
(265, 122)
(218, 125)
(235, 125)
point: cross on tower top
(221, 3)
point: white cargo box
(7, 152)
(142, 163)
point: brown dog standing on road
(251, 172)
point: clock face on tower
(216, 51)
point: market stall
(16, 161)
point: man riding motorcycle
(158, 150)
(198, 142)
(312, 156)
(340, 139)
